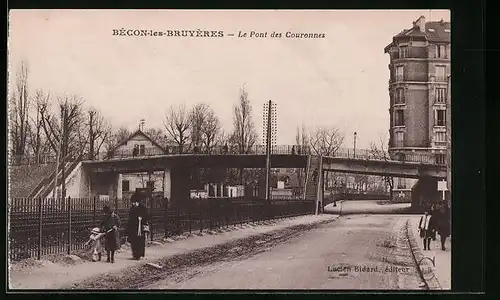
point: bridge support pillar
(167, 184)
(179, 182)
(424, 193)
(119, 188)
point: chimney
(420, 22)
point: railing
(216, 150)
(42, 226)
(364, 154)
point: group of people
(109, 231)
(435, 221)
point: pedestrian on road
(111, 224)
(443, 227)
(426, 226)
(138, 226)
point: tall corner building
(418, 87)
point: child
(96, 243)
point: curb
(418, 259)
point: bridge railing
(350, 153)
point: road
(353, 252)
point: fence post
(69, 225)
(178, 221)
(95, 210)
(39, 254)
(189, 214)
(165, 216)
(152, 207)
(210, 214)
(226, 214)
(200, 208)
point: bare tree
(380, 152)
(177, 126)
(121, 134)
(210, 131)
(37, 140)
(197, 120)
(301, 144)
(98, 132)
(19, 105)
(244, 134)
(67, 138)
(157, 135)
(326, 141)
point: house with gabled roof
(139, 140)
(136, 145)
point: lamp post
(355, 134)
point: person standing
(111, 224)
(138, 226)
(443, 227)
(426, 226)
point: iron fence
(42, 226)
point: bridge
(104, 175)
(336, 164)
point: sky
(340, 80)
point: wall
(76, 183)
(416, 71)
(136, 140)
(416, 117)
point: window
(440, 159)
(440, 117)
(440, 95)
(399, 139)
(399, 73)
(440, 73)
(399, 119)
(399, 96)
(142, 149)
(440, 137)
(125, 185)
(440, 51)
(403, 52)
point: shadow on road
(368, 207)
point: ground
(375, 250)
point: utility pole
(355, 134)
(269, 120)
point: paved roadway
(354, 252)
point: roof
(435, 31)
(138, 132)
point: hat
(96, 230)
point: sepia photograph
(171, 150)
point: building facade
(419, 95)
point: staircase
(312, 177)
(46, 186)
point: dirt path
(139, 276)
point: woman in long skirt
(111, 222)
(427, 228)
(138, 225)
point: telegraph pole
(269, 120)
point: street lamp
(355, 134)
